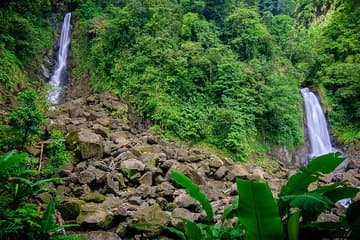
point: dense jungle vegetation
(226, 73)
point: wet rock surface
(121, 176)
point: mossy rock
(86, 144)
(71, 208)
(94, 197)
(93, 215)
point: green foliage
(295, 195)
(11, 159)
(333, 51)
(27, 118)
(246, 33)
(257, 211)
(178, 64)
(56, 150)
(299, 182)
(20, 219)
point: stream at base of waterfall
(318, 131)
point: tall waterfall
(316, 125)
(59, 77)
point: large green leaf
(48, 220)
(179, 233)
(194, 191)
(192, 230)
(299, 182)
(341, 193)
(309, 201)
(323, 189)
(258, 211)
(11, 159)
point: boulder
(139, 150)
(114, 181)
(165, 189)
(152, 215)
(94, 215)
(76, 112)
(103, 131)
(184, 213)
(189, 171)
(87, 144)
(86, 177)
(90, 144)
(100, 175)
(185, 201)
(215, 162)
(70, 208)
(121, 138)
(44, 197)
(108, 148)
(105, 121)
(34, 151)
(146, 179)
(220, 173)
(146, 191)
(96, 114)
(102, 235)
(117, 206)
(132, 165)
(236, 170)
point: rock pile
(119, 177)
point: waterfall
(316, 124)
(59, 76)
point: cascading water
(316, 124)
(318, 131)
(59, 77)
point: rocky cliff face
(119, 176)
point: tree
(246, 34)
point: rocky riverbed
(119, 175)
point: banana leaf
(299, 182)
(258, 212)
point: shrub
(27, 118)
(19, 218)
(56, 150)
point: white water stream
(59, 76)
